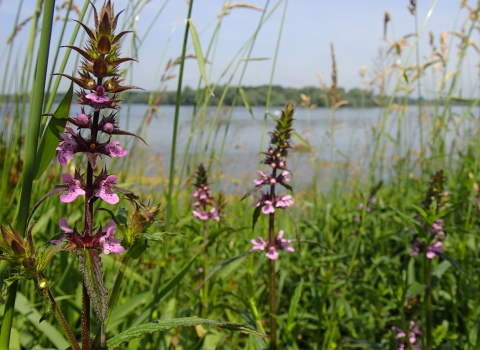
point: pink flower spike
(260, 245)
(98, 97)
(82, 119)
(284, 200)
(105, 191)
(73, 191)
(108, 128)
(115, 150)
(108, 242)
(272, 253)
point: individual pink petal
(108, 243)
(73, 191)
(260, 245)
(64, 226)
(272, 253)
(105, 191)
(268, 207)
(115, 149)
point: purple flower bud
(108, 128)
(82, 119)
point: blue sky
(355, 27)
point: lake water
(352, 140)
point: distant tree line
(257, 96)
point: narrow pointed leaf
(91, 269)
(219, 267)
(51, 134)
(255, 216)
(199, 54)
(163, 325)
(246, 102)
(57, 190)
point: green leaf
(51, 134)
(219, 267)
(246, 102)
(292, 310)
(415, 289)
(454, 263)
(23, 306)
(199, 54)
(178, 277)
(255, 216)
(439, 271)
(163, 325)
(91, 269)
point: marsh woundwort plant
(90, 135)
(268, 202)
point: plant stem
(85, 318)
(31, 142)
(205, 268)
(273, 276)
(428, 303)
(175, 120)
(63, 322)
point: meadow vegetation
(377, 253)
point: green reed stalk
(175, 120)
(31, 142)
(376, 150)
(428, 302)
(273, 275)
(57, 52)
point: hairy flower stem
(205, 268)
(88, 229)
(63, 322)
(85, 319)
(428, 303)
(273, 276)
(112, 301)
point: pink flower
(283, 243)
(283, 200)
(213, 214)
(202, 215)
(268, 207)
(264, 178)
(272, 253)
(64, 227)
(115, 150)
(67, 146)
(73, 191)
(283, 177)
(260, 245)
(108, 128)
(82, 119)
(108, 242)
(105, 190)
(98, 97)
(434, 249)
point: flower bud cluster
(413, 336)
